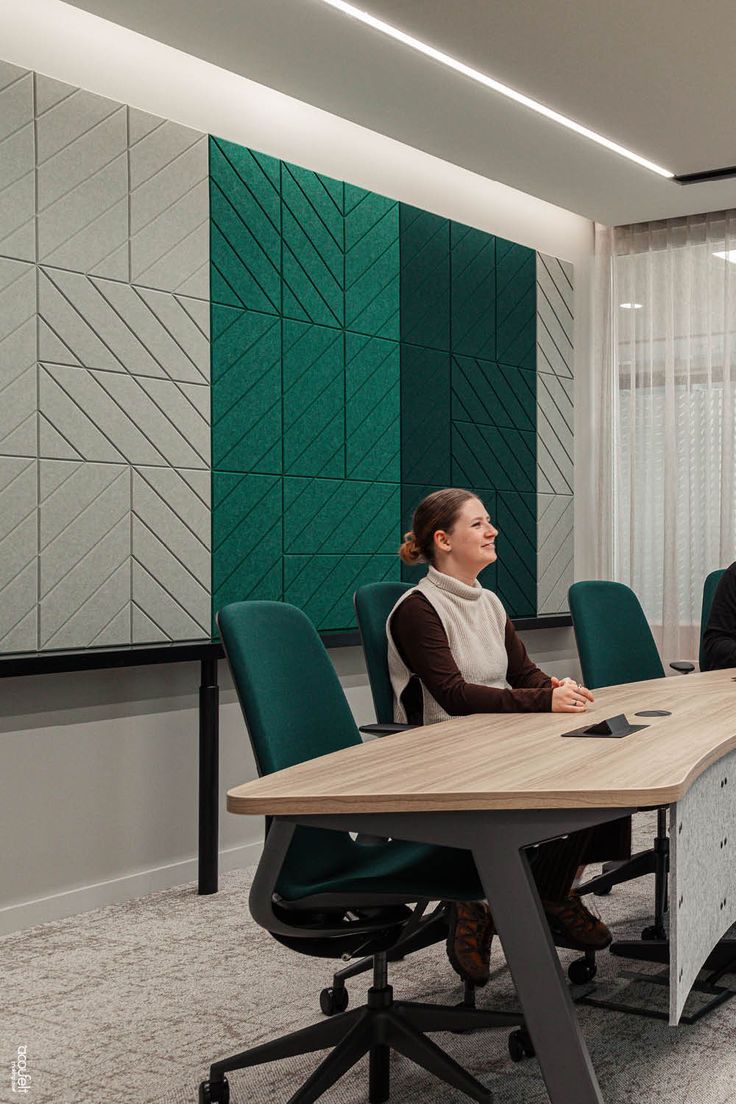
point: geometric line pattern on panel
(247, 526)
(245, 228)
(493, 394)
(110, 416)
(516, 517)
(171, 554)
(169, 205)
(555, 434)
(313, 246)
(246, 390)
(17, 164)
(18, 400)
(473, 291)
(491, 456)
(371, 263)
(84, 554)
(555, 321)
(425, 278)
(555, 546)
(323, 586)
(94, 323)
(340, 516)
(515, 304)
(372, 408)
(314, 400)
(82, 165)
(18, 554)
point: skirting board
(26, 914)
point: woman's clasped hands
(568, 696)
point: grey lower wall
(98, 792)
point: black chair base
(380, 1026)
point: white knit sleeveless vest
(475, 622)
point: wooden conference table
(496, 783)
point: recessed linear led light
(494, 85)
(631, 306)
(727, 255)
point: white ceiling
(653, 77)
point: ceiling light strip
(494, 85)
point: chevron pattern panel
(226, 376)
(17, 164)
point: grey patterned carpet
(128, 1005)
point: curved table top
(519, 760)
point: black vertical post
(209, 756)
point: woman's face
(472, 540)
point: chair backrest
(292, 700)
(709, 591)
(615, 643)
(373, 603)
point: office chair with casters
(373, 604)
(318, 891)
(709, 592)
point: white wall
(98, 791)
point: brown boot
(575, 925)
(469, 937)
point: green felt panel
(516, 305)
(324, 516)
(489, 456)
(371, 263)
(314, 400)
(516, 545)
(372, 408)
(425, 416)
(323, 586)
(425, 278)
(245, 227)
(493, 394)
(246, 538)
(411, 496)
(246, 390)
(313, 246)
(473, 291)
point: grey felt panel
(702, 875)
(555, 434)
(171, 554)
(18, 552)
(555, 318)
(97, 323)
(110, 416)
(555, 550)
(17, 358)
(84, 554)
(169, 205)
(82, 162)
(17, 164)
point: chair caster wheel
(581, 971)
(652, 933)
(214, 1092)
(334, 1000)
(602, 892)
(520, 1045)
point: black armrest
(682, 666)
(384, 729)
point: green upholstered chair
(709, 592)
(320, 892)
(373, 603)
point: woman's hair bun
(409, 550)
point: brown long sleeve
(422, 644)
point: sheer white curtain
(666, 349)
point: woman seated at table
(453, 651)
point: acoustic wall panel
(493, 394)
(323, 586)
(515, 304)
(425, 278)
(425, 416)
(489, 456)
(555, 319)
(555, 543)
(473, 292)
(555, 434)
(169, 206)
(372, 263)
(82, 180)
(314, 400)
(517, 552)
(18, 397)
(313, 246)
(372, 408)
(247, 537)
(341, 516)
(17, 164)
(18, 553)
